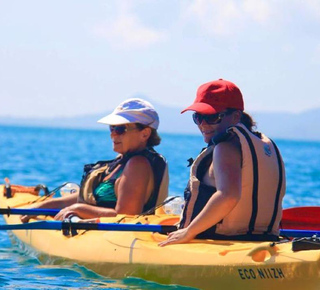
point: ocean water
(31, 156)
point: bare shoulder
(135, 184)
(229, 150)
(232, 143)
(138, 163)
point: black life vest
(93, 175)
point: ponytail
(250, 124)
(246, 120)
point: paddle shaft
(296, 218)
(298, 222)
(69, 226)
(299, 233)
(29, 211)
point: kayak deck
(204, 264)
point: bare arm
(85, 211)
(135, 186)
(227, 171)
(58, 203)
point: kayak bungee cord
(52, 212)
(152, 210)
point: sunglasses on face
(118, 129)
(210, 119)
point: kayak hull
(203, 264)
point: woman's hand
(67, 211)
(178, 237)
(25, 218)
(56, 203)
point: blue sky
(67, 58)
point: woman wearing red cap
(134, 182)
(237, 183)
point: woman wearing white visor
(134, 182)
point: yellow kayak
(203, 264)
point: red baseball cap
(215, 97)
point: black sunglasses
(210, 119)
(118, 129)
(121, 129)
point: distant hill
(279, 125)
(171, 121)
(283, 125)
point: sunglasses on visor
(210, 119)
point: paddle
(296, 218)
(299, 233)
(307, 217)
(301, 218)
(69, 226)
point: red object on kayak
(301, 218)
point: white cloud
(217, 16)
(126, 30)
(288, 48)
(316, 54)
(259, 10)
(227, 17)
(313, 6)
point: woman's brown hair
(154, 138)
(248, 121)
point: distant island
(278, 125)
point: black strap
(255, 180)
(221, 137)
(204, 166)
(276, 204)
(247, 237)
(158, 165)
